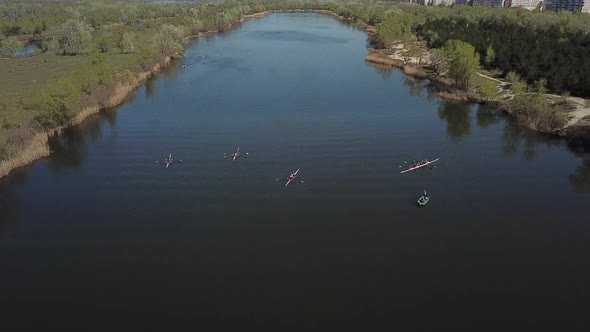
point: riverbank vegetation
(94, 50)
(521, 48)
(91, 50)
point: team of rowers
(420, 163)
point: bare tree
(75, 37)
(438, 61)
(128, 42)
(169, 40)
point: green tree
(101, 69)
(463, 61)
(195, 26)
(488, 90)
(103, 42)
(535, 112)
(490, 56)
(512, 77)
(397, 27)
(519, 87)
(541, 86)
(10, 46)
(60, 100)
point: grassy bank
(112, 52)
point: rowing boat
(168, 160)
(413, 168)
(423, 200)
(292, 177)
(236, 154)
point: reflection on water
(150, 88)
(383, 70)
(295, 35)
(580, 180)
(9, 199)
(513, 136)
(69, 150)
(486, 116)
(415, 86)
(458, 118)
(172, 70)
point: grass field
(22, 81)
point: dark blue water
(100, 237)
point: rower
(184, 65)
(425, 194)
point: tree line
(548, 47)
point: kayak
(292, 177)
(413, 168)
(423, 200)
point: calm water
(100, 237)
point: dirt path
(581, 112)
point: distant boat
(234, 155)
(168, 160)
(292, 177)
(423, 200)
(421, 165)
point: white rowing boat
(416, 167)
(168, 160)
(292, 177)
(234, 155)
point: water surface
(100, 237)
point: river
(101, 237)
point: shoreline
(577, 133)
(38, 145)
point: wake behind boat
(419, 165)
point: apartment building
(526, 4)
(570, 5)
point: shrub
(10, 46)
(535, 112)
(60, 99)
